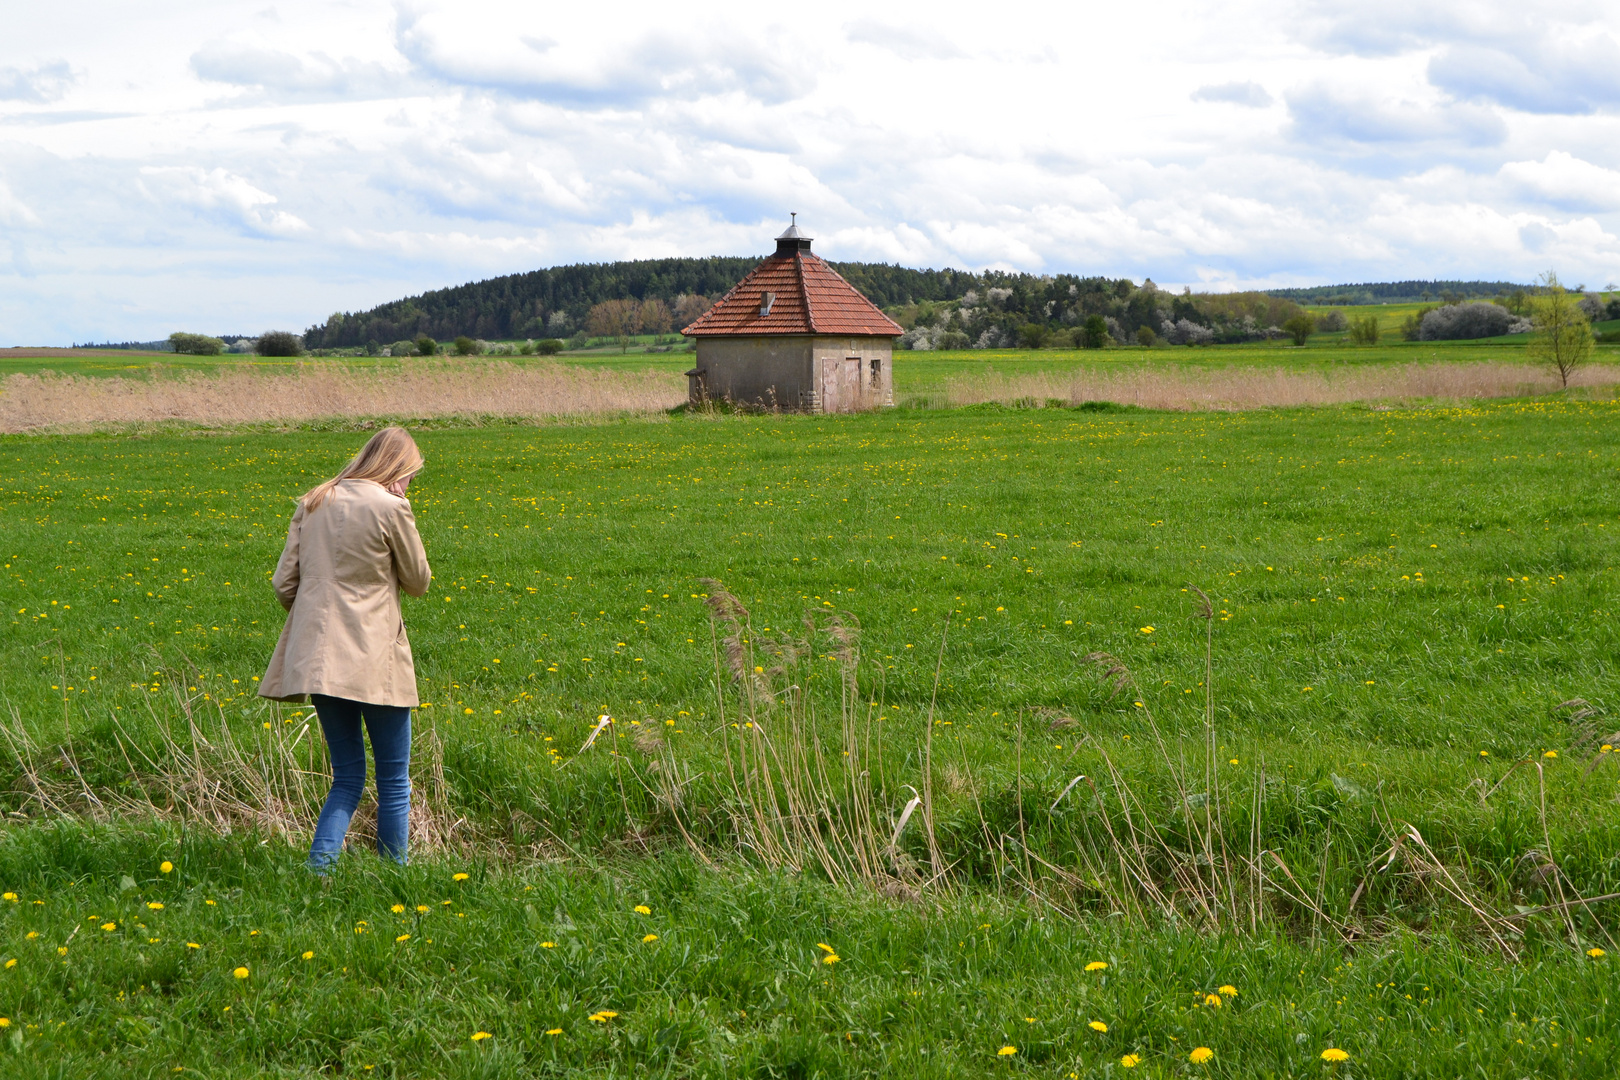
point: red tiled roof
(810, 299)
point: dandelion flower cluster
(1097, 965)
(1200, 1055)
(1596, 953)
(649, 939)
(1098, 1025)
(479, 1036)
(643, 909)
(1007, 1051)
(165, 867)
(1227, 991)
(1335, 1055)
(1130, 1061)
(240, 973)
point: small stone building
(794, 335)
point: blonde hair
(388, 456)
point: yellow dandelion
(398, 909)
(1130, 1061)
(458, 877)
(240, 973)
(32, 934)
(479, 1036)
(165, 867)
(5, 1021)
(554, 1031)
(421, 909)
(1007, 1051)
(61, 950)
(155, 906)
(109, 927)
(1550, 754)
(1147, 629)
(824, 947)
(649, 939)
(189, 945)
(1098, 1025)
(309, 954)
(11, 963)
(1097, 965)
(1334, 1054)
(9, 896)
(1200, 1055)
(548, 944)
(1227, 991)
(1213, 1000)
(643, 909)
(830, 958)
(403, 937)
(1596, 954)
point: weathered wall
(866, 384)
(768, 371)
(812, 373)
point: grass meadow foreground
(927, 757)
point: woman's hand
(398, 486)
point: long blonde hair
(388, 456)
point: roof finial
(794, 214)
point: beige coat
(339, 579)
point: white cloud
(1566, 181)
(40, 83)
(221, 195)
(211, 166)
(1251, 94)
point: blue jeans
(390, 728)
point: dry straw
(1168, 386)
(323, 391)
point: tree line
(558, 302)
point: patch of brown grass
(50, 401)
(1167, 387)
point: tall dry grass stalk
(319, 391)
(199, 772)
(801, 784)
(1235, 388)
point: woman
(351, 547)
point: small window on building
(877, 369)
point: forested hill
(554, 302)
(1397, 292)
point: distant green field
(1403, 599)
(915, 373)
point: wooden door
(841, 385)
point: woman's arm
(410, 560)
(285, 579)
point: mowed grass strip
(1402, 600)
(231, 964)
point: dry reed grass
(1236, 388)
(50, 401)
(202, 773)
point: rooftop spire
(793, 240)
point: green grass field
(1402, 601)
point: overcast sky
(235, 167)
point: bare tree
(656, 317)
(1563, 337)
(688, 306)
(616, 319)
